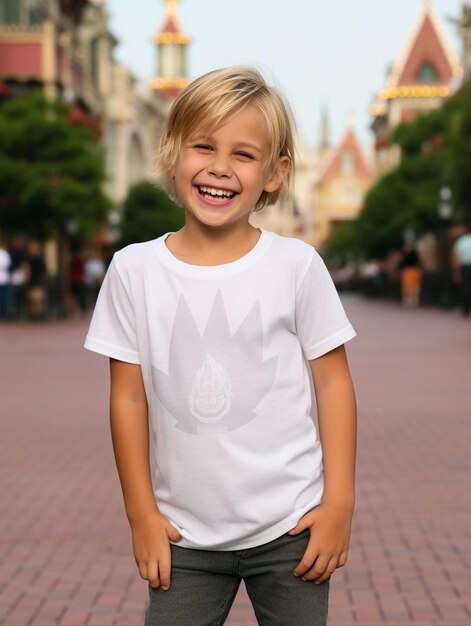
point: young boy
(213, 333)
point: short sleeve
(112, 330)
(321, 321)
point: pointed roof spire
(351, 145)
(325, 129)
(171, 31)
(172, 7)
(351, 121)
(427, 44)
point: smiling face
(219, 176)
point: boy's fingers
(329, 570)
(304, 522)
(342, 559)
(164, 568)
(153, 575)
(306, 562)
(318, 569)
(173, 533)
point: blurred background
(382, 97)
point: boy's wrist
(344, 502)
(138, 516)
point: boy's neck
(201, 245)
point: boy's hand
(150, 541)
(327, 549)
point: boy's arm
(337, 416)
(130, 436)
(330, 522)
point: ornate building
(343, 181)
(426, 74)
(293, 217)
(39, 47)
(66, 48)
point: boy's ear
(276, 179)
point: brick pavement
(65, 547)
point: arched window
(427, 74)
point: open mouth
(212, 193)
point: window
(38, 11)
(10, 11)
(427, 74)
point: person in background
(461, 263)
(37, 281)
(19, 277)
(5, 288)
(410, 273)
(77, 280)
(94, 274)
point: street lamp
(445, 213)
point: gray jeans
(204, 584)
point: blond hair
(208, 102)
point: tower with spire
(324, 145)
(172, 43)
(423, 77)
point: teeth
(217, 192)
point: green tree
(148, 213)
(51, 171)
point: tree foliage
(51, 171)
(436, 152)
(148, 213)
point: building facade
(426, 74)
(344, 179)
(65, 47)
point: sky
(331, 55)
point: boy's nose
(220, 166)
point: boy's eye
(202, 146)
(246, 155)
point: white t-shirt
(462, 248)
(234, 451)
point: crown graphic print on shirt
(214, 381)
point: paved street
(66, 554)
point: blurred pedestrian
(461, 263)
(77, 281)
(37, 281)
(19, 277)
(232, 486)
(95, 270)
(410, 274)
(5, 286)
